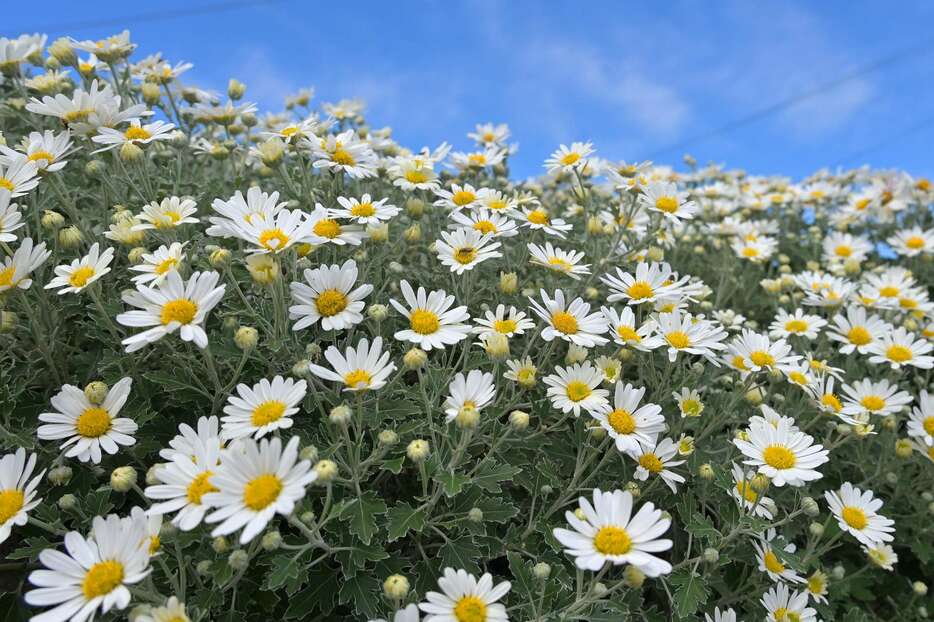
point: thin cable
(150, 16)
(794, 99)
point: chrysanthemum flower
(10, 217)
(468, 393)
(553, 258)
(683, 332)
(325, 229)
(81, 273)
(172, 611)
(344, 152)
(365, 210)
(262, 409)
(463, 249)
(539, 219)
(747, 494)
(457, 198)
(172, 305)
(486, 221)
(608, 531)
(856, 512)
(689, 402)
(874, 398)
(781, 604)
(135, 134)
(46, 150)
(87, 427)
(913, 242)
(568, 159)
(575, 387)
(921, 421)
(155, 267)
(655, 458)
(798, 323)
(432, 321)
(185, 481)
(840, 247)
(507, 321)
(571, 322)
(238, 211)
(189, 442)
(900, 348)
(770, 563)
(17, 490)
(857, 330)
(329, 297)
(751, 352)
(362, 368)
(782, 454)
(650, 282)
(169, 213)
(256, 481)
(629, 424)
(625, 332)
(18, 175)
(664, 198)
(465, 599)
(522, 371)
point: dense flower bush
(281, 367)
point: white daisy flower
(727, 615)
(751, 352)
(135, 134)
(256, 481)
(686, 333)
(468, 393)
(432, 321)
(874, 398)
(689, 402)
(262, 409)
(18, 175)
(857, 512)
(770, 563)
(553, 258)
(365, 210)
(172, 611)
(799, 323)
(45, 149)
(921, 421)
(111, 49)
(522, 371)
(276, 234)
(88, 427)
(881, 555)
(568, 159)
(783, 605)
(507, 321)
(457, 198)
(607, 531)
(189, 442)
(745, 492)
(495, 201)
(155, 266)
(538, 219)
(857, 330)
(840, 247)
(462, 249)
(17, 490)
(575, 387)
(756, 250)
(664, 198)
(913, 242)
(171, 212)
(486, 221)
(490, 134)
(465, 599)
(650, 282)
(414, 173)
(782, 455)
(95, 572)
(484, 158)
(10, 217)
(81, 273)
(344, 152)
(238, 212)
(362, 368)
(655, 458)
(629, 424)
(185, 481)
(571, 322)
(329, 297)
(900, 348)
(625, 332)
(326, 230)
(172, 305)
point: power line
(792, 100)
(150, 16)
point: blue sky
(635, 78)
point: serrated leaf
(319, 594)
(361, 515)
(403, 518)
(496, 510)
(491, 474)
(452, 483)
(393, 465)
(690, 591)
(702, 527)
(284, 569)
(461, 553)
(363, 591)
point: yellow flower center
(628, 333)
(463, 197)
(262, 491)
(102, 578)
(570, 158)
(358, 379)
(691, 408)
(538, 217)
(76, 115)
(621, 421)
(45, 155)
(678, 340)
(465, 255)
(750, 252)
(200, 486)
(746, 492)
(484, 226)
(477, 159)
(651, 463)
(928, 425)
(898, 354)
(907, 303)
(888, 291)
(669, 205)
(854, 517)
(779, 457)
(504, 327)
(363, 209)
(740, 363)
(564, 322)
(761, 358)
(330, 302)
(327, 228)
(859, 336)
(798, 378)
(273, 239)
(556, 263)
(267, 412)
(873, 402)
(831, 400)
(154, 543)
(843, 251)
(6, 183)
(11, 502)
(783, 615)
(796, 326)
(343, 157)
(612, 541)
(424, 322)
(640, 290)
(470, 609)
(164, 266)
(416, 176)
(79, 278)
(93, 422)
(180, 310)
(136, 133)
(914, 242)
(577, 390)
(772, 563)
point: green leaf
(702, 527)
(284, 569)
(361, 514)
(461, 553)
(491, 474)
(452, 483)
(393, 465)
(690, 591)
(319, 594)
(363, 591)
(98, 502)
(496, 510)
(404, 518)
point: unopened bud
(326, 470)
(396, 587)
(238, 560)
(122, 479)
(96, 392)
(418, 451)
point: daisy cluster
(280, 366)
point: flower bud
(235, 89)
(246, 338)
(633, 489)
(413, 234)
(238, 560)
(705, 471)
(263, 268)
(378, 233)
(541, 571)
(309, 452)
(903, 448)
(508, 282)
(378, 312)
(467, 417)
(130, 152)
(396, 587)
(388, 438)
(816, 529)
(60, 475)
(810, 507)
(271, 541)
(326, 470)
(519, 420)
(415, 208)
(546, 490)
(67, 502)
(96, 392)
(271, 152)
(62, 51)
(576, 354)
(70, 237)
(496, 346)
(122, 479)
(307, 517)
(415, 358)
(52, 220)
(152, 475)
(219, 257)
(203, 568)
(340, 415)
(475, 515)
(711, 555)
(418, 451)
(838, 572)
(655, 254)
(151, 93)
(920, 588)
(754, 396)
(633, 577)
